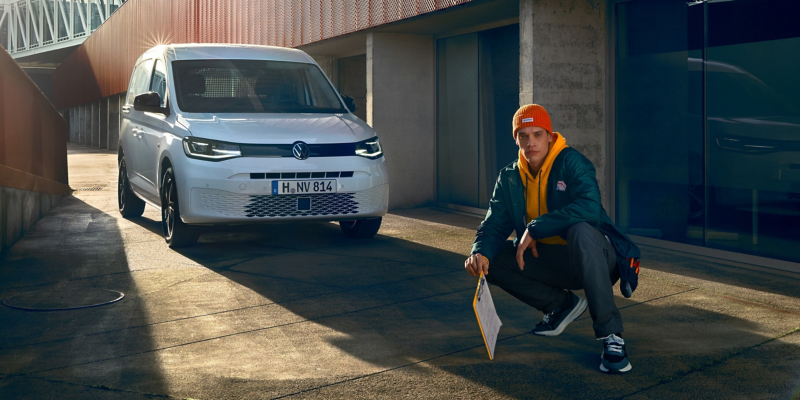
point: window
(253, 86)
(140, 80)
(159, 82)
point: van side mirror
(149, 102)
(349, 102)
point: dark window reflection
(753, 131)
(708, 139)
(659, 127)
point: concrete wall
(563, 68)
(19, 211)
(328, 65)
(86, 126)
(102, 125)
(113, 121)
(96, 124)
(401, 108)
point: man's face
(534, 143)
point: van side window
(159, 82)
(140, 80)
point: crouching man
(565, 240)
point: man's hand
(476, 264)
(525, 243)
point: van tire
(362, 228)
(129, 205)
(176, 232)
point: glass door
(477, 96)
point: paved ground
(273, 311)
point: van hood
(277, 128)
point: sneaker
(615, 358)
(554, 323)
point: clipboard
(486, 314)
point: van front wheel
(176, 232)
(362, 229)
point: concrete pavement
(302, 311)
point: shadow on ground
(390, 306)
(80, 248)
(279, 310)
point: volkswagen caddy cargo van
(237, 134)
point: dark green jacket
(580, 202)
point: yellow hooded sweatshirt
(536, 186)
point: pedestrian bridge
(29, 27)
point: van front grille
(287, 206)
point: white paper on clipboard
(488, 320)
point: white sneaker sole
(608, 371)
(576, 312)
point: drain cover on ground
(58, 299)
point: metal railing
(33, 26)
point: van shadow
(356, 307)
(75, 249)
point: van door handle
(126, 109)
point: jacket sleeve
(585, 206)
(495, 229)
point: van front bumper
(223, 193)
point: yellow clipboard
(486, 314)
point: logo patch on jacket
(561, 186)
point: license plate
(304, 187)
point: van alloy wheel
(176, 232)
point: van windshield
(253, 86)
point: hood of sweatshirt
(536, 184)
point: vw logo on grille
(300, 150)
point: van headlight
(205, 149)
(370, 148)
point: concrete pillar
(113, 122)
(526, 52)
(95, 124)
(103, 123)
(563, 68)
(401, 107)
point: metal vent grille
(301, 175)
(286, 205)
(255, 206)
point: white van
(235, 134)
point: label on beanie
(524, 120)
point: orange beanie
(532, 115)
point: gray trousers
(587, 262)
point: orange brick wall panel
(33, 135)
(102, 65)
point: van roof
(206, 51)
